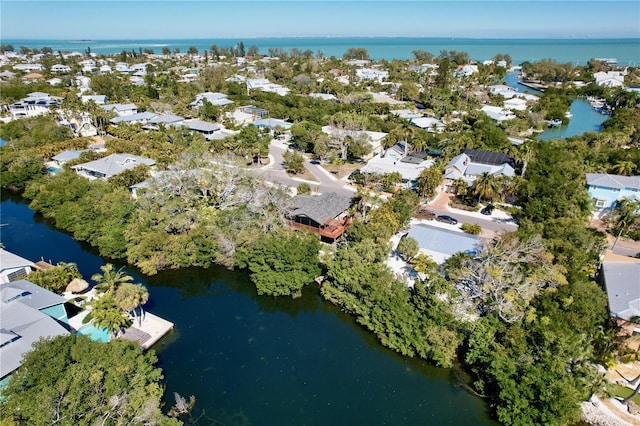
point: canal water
(583, 117)
(255, 360)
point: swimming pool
(53, 170)
(99, 335)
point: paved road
(324, 181)
(492, 224)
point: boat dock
(147, 332)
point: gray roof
(319, 208)
(166, 119)
(29, 294)
(271, 123)
(133, 117)
(622, 282)
(442, 240)
(613, 181)
(9, 260)
(200, 126)
(21, 327)
(459, 162)
(119, 107)
(69, 155)
(114, 164)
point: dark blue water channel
(253, 360)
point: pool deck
(146, 333)
(153, 328)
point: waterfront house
(472, 163)
(29, 313)
(440, 244)
(111, 165)
(325, 215)
(515, 104)
(609, 78)
(13, 267)
(620, 276)
(606, 190)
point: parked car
(488, 210)
(447, 219)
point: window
(601, 203)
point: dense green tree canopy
(73, 380)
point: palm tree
(485, 186)
(625, 215)
(110, 279)
(130, 297)
(624, 167)
(106, 314)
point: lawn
(341, 170)
(623, 392)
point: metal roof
(9, 260)
(444, 241)
(622, 283)
(29, 294)
(613, 181)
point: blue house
(606, 190)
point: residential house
(398, 159)
(210, 131)
(266, 86)
(374, 138)
(60, 69)
(216, 99)
(163, 119)
(28, 67)
(323, 96)
(66, 156)
(515, 104)
(109, 166)
(37, 103)
(473, 163)
(13, 267)
(466, 71)
(498, 114)
(606, 190)
(429, 124)
(271, 123)
(503, 90)
(7, 75)
(54, 81)
(137, 118)
(121, 109)
(372, 74)
(97, 99)
(610, 78)
(440, 243)
(29, 313)
(325, 215)
(620, 276)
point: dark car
(488, 210)
(447, 219)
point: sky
(132, 19)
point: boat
(555, 122)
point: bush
(471, 228)
(303, 188)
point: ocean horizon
(577, 51)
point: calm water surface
(253, 360)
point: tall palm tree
(110, 279)
(625, 216)
(106, 314)
(485, 186)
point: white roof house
(28, 67)
(609, 78)
(429, 124)
(372, 74)
(374, 138)
(217, 99)
(37, 103)
(140, 117)
(505, 91)
(440, 244)
(266, 86)
(59, 68)
(498, 114)
(515, 103)
(97, 99)
(111, 165)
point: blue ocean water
(575, 51)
